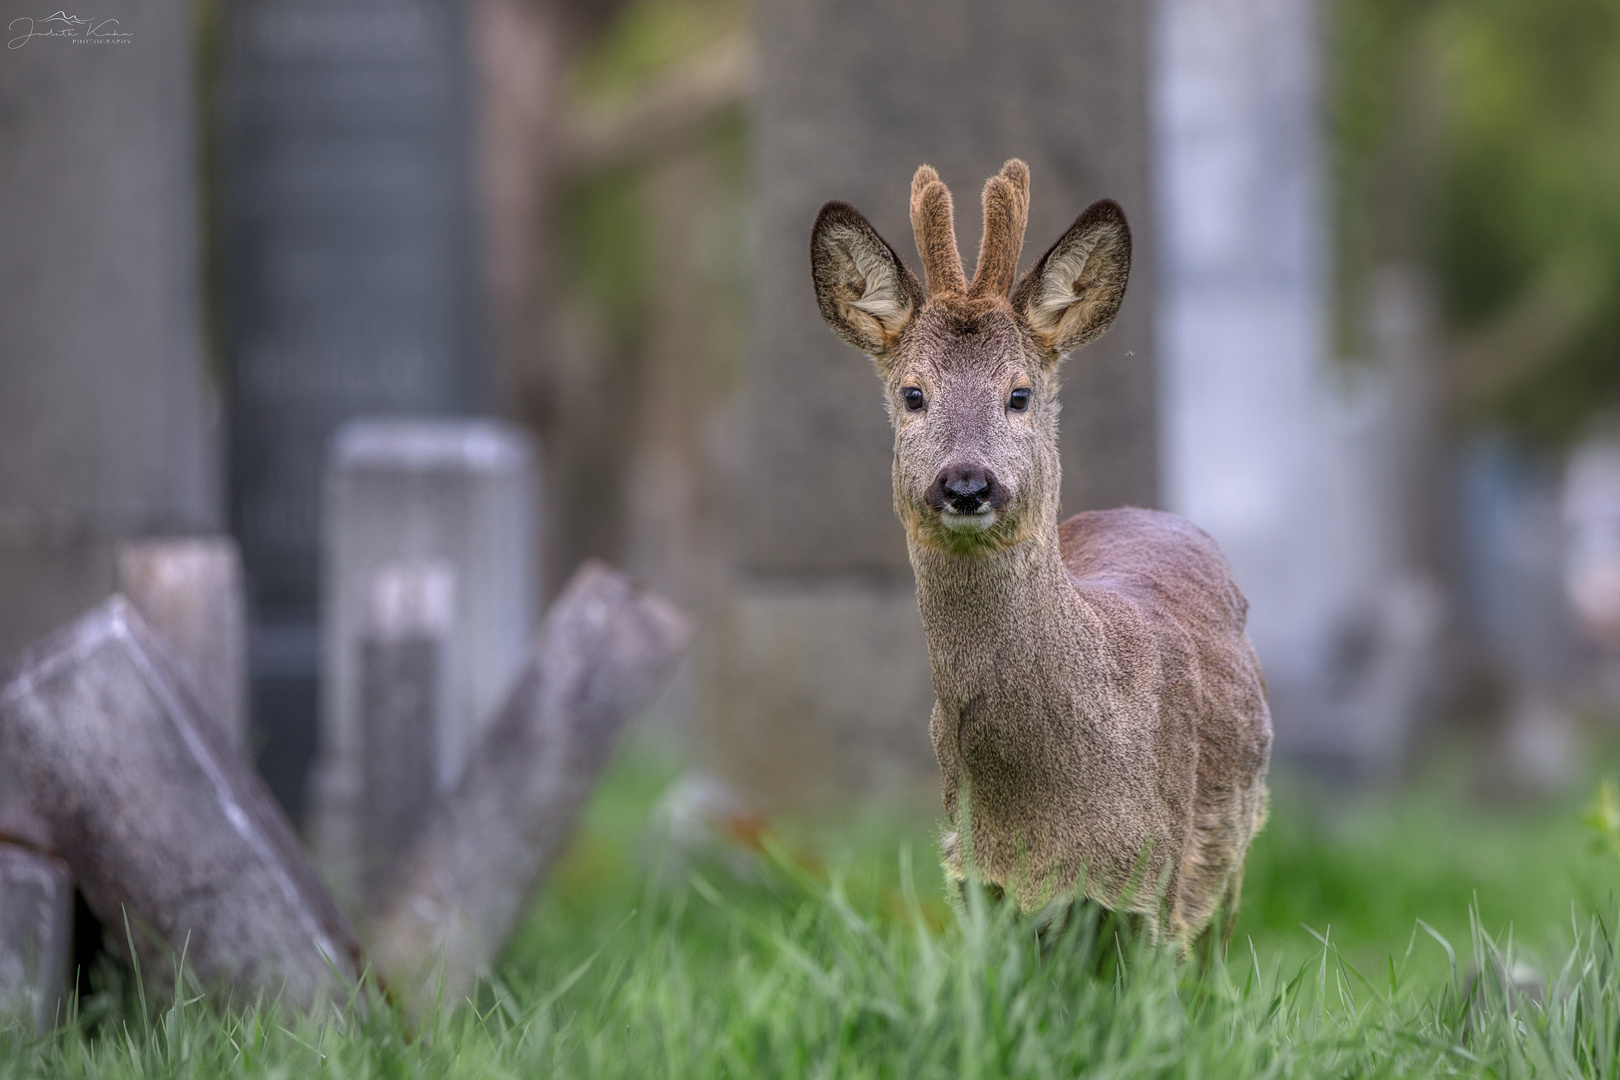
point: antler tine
(933, 223)
(1006, 213)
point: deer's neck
(992, 619)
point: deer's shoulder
(1152, 557)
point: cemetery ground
(1420, 933)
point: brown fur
(1099, 705)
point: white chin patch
(968, 523)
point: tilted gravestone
(106, 411)
(454, 494)
(189, 589)
(818, 674)
(165, 829)
(602, 651)
(349, 286)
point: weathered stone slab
(460, 494)
(36, 933)
(107, 419)
(602, 651)
(189, 589)
(103, 734)
(404, 653)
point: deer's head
(971, 369)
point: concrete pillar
(819, 680)
(404, 648)
(189, 589)
(1294, 463)
(457, 494)
(107, 425)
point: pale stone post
(459, 494)
(818, 670)
(405, 653)
(1294, 467)
(189, 589)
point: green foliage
(1483, 137)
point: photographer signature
(63, 25)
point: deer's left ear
(1072, 294)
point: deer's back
(1168, 574)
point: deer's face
(974, 409)
(971, 370)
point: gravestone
(818, 671)
(36, 935)
(603, 650)
(404, 655)
(455, 494)
(107, 414)
(164, 828)
(189, 589)
(350, 286)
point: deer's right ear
(867, 295)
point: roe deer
(1098, 698)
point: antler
(1006, 213)
(935, 229)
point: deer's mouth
(978, 519)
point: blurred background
(1371, 343)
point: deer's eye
(913, 398)
(1019, 401)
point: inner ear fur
(1072, 294)
(866, 294)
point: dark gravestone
(821, 677)
(350, 286)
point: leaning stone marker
(105, 737)
(36, 930)
(189, 589)
(455, 493)
(604, 648)
(819, 685)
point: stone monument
(449, 498)
(350, 287)
(818, 671)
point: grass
(839, 957)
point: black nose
(964, 488)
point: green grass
(839, 957)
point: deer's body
(1101, 715)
